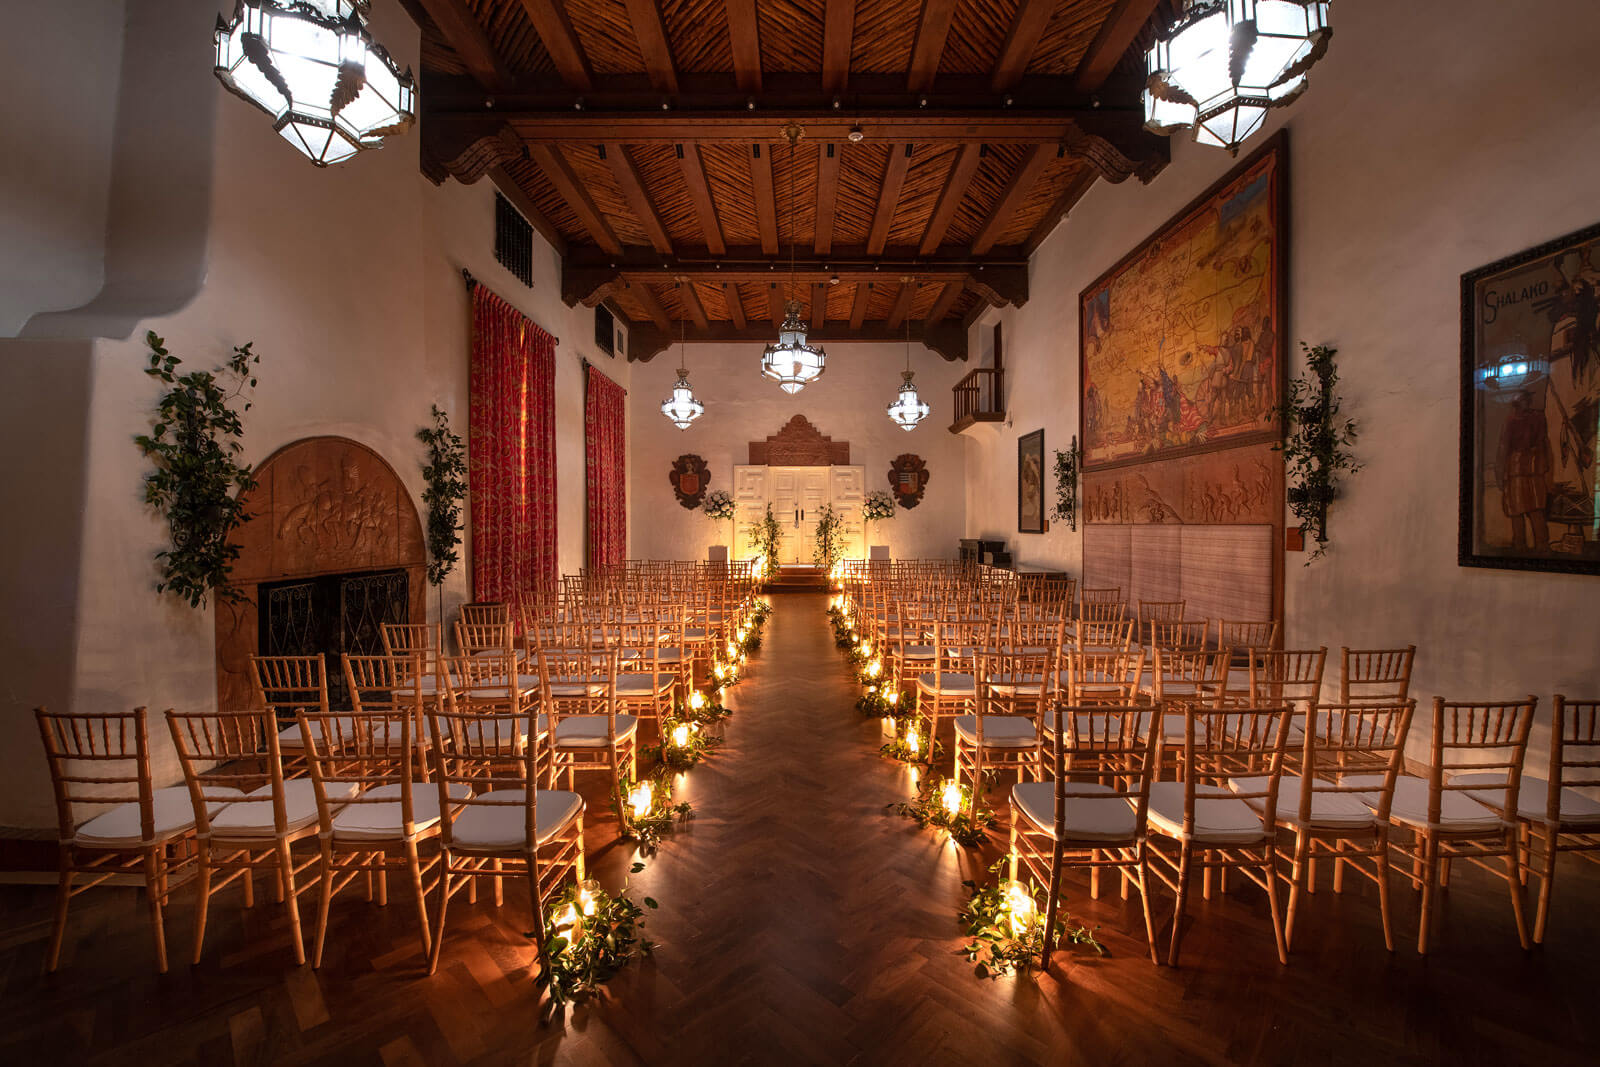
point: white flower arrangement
(719, 505)
(879, 505)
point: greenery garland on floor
(944, 804)
(648, 813)
(198, 483)
(912, 743)
(682, 745)
(1006, 922)
(589, 936)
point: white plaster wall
(347, 279)
(1425, 147)
(847, 403)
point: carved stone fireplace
(333, 548)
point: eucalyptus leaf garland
(589, 936)
(198, 483)
(1006, 922)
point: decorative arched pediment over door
(799, 444)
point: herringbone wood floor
(800, 923)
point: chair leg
(1297, 872)
(499, 887)
(152, 888)
(1184, 856)
(1428, 857)
(58, 928)
(536, 902)
(291, 899)
(1383, 894)
(1519, 901)
(324, 899)
(438, 923)
(578, 861)
(1547, 877)
(1338, 867)
(1052, 902)
(1269, 870)
(1144, 899)
(414, 865)
(202, 902)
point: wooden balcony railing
(979, 397)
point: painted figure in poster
(1522, 467)
(1179, 344)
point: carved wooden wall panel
(1236, 485)
(799, 444)
(322, 505)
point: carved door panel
(750, 497)
(849, 490)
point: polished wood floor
(802, 924)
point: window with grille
(513, 240)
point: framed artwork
(908, 477)
(1530, 407)
(1030, 483)
(690, 476)
(1181, 344)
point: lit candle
(913, 742)
(1020, 903)
(586, 896)
(894, 697)
(951, 797)
(697, 700)
(680, 735)
(640, 799)
(565, 921)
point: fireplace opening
(331, 614)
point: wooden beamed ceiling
(942, 141)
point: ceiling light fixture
(792, 363)
(681, 408)
(1225, 63)
(908, 408)
(312, 66)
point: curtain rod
(587, 365)
(473, 283)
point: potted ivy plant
(444, 477)
(1315, 444)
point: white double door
(797, 496)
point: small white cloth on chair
(252, 816)
(382, 821)
(1329, 810)
(947, 684)
(999, 731)
(1457, 811)
(495, 820)
(589, 731)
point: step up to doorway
(795, 578)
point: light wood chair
(1177, 634)
(1452, 815)
(233, 767)
(1246, 634)
(1375, 675)
(485, 613)
(487, 774)
(1014, 685)
(1102, 595)
(646, 687)
(1101, 610)
(578, 690)
(103, 759)
(1103, 635)
(372, 812)
(284, 683)
(1162, 610)
(950, 688)
(1092, 809)
(1201, 822)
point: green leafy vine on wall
(198, 482)
(764, 537)
(1068, 465)
(1314, 441)
(829, 546)
(444, 477)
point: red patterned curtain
(606, 452)
(511, 452)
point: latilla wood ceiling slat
(606, 34)
(668, 192)
(753, 297)
(976, 33)
(601, 184)
(512, 34)
(995, 170)
(930, 164)
(839, 300)
(436, 53)
(922, 303)
(551, 204)
(1058, 176)
(861, 170)
(1068, 36)
(881, 298)
(791, 34)
(803, 172)
(698, 30)
(728, 174)
(714, 299)
(884, 33)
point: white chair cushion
(999, 731)
(1220, 818)
(499, 732)
(1371, 782)
(172, 812)
(589, 731)
(1329, 811)
(1026, 685)
(1533, 799)
(381, 821)
(635, 684)
(947, 684)
(252, 816)
(290, 738)
(1090, 814)
(1458, 813)
(500, 823)
(918, 652)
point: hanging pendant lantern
(681, 408)
(313, 67)
(908, 408)
(1226, 63)
(792, 363)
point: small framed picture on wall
(1030, 483)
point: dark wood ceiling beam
(827, 195)
(744, 34)
(902, 305)
(948, 339)
(1033, 165)
(1111, 42)
(894, 177)
(776, 298)
(1022, 40)
(819, 303)
(947, 300)
(705, 209)
(766, 201)
(735, 304)
(858, 307)
(933, 29)
(691, 300)
(467, 39)
(651, 34)
(646, 296)
(964, 166)
(838, 28)
(559, 173)
(1064, 203)
(626, 172)
(550, 22)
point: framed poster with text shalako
(1530, 408)
(1182, 343)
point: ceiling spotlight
(750, 103)
(666, 105)
(833, 280)
(836, 103)
(1009, 99)
(855, 135)
(577, 105)
(922, 101)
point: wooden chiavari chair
(1199, 822)
(103, 759)
(1177, 635)
(646, 687)
(1110, 635)
(1162, 610)
(485, 638)
(1376, 675)
(485, 613)
(1288, 676)
(950, 687)
(1246, 635)
(1091, 811)
(1014, 685)
(1090, 611)
(1181, 677)
(233, 768)
(578, 689)
(1102, 595)
(284, 683)
(407, 639)
(488, 772)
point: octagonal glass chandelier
(1226, 63)
(792, 362)
(313, 67)
(908, 408)
(681, 408)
